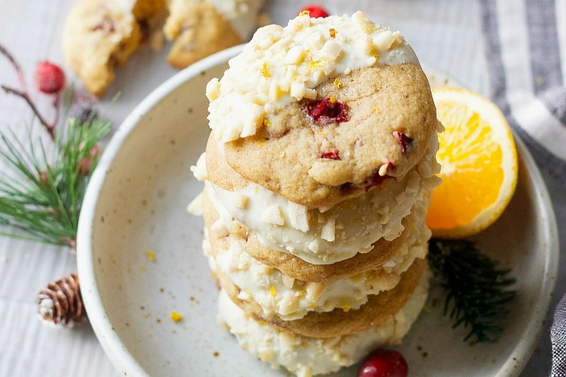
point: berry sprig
(49, 79)
(41, 196)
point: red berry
(384, 363)
(85, 165)
(49, 78)
(315, 11)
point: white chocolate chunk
(272, 215)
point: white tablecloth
(444, 33)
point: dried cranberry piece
(376, 179)
(325, 111)
(106, 25)
(403, 140)
(331, 154)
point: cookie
(391, 118)
(291, 298)
(318, 235)
(297, 268)
(305, 356)
(378, 309)
(335, 105)
(197, 30)
(101, 34)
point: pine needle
(41, 197)
(476, 290)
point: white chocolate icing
(292, 299)
(286, 64)
(307, 357)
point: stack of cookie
(318, 173)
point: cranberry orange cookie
(102, 34)
(320, 235)
(337, 101)
(306, 356)
(318, 175)
(384, 254)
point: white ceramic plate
(137, 202)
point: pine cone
(61, 302)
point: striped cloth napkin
(525, 46)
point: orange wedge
(479, 164)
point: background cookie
(102, 34)
(197, 30)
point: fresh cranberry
(384, 363)
(331, 154)
(49, 78)
(315, 11)
(403, 140)
(325, 111)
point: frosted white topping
(281, 65)
(292, 299)
(307, 357)
(332, 234)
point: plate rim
(518, 359)
(111, 342)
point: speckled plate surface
(136, 203)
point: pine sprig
(477, 291)
(42, 196)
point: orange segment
(479, 164)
